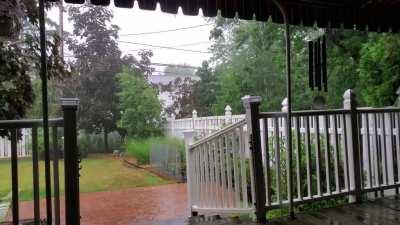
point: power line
(162, 73)
(164, 47)
(174, 65)
(166, 31)
(174, 46)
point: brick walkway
(134, 206)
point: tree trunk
(105, 132)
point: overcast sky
(133, 21)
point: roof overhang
(372, 15)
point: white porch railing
(335, 153)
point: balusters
(277, 162)
(384, 153)
(223, 171)
(242, 153)
(235, 148)
(368, 142)
(377, 160)
(318, 156)
(14, 177)
(56, 177)
(345, 154)
(336, 153)
(327, 155)
(267, 164)
(228, 144)
(398, 146)
(35, 170)
(217, 162)
(298, 158)
(308, 156)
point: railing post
(350, 103)
(71, 161)
(172, 125)
(397, 103)
(251, 104)
(189, 139)
(228, 114)
(194, 116)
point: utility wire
(164, 47)
(174, 65)
(166, 31)
(174, 46)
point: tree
(97, 63)
(20, 61)
(139, 104)
(379, 70)
(181, 93)
(204, 90)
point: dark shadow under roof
(372, 15)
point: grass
(99, 173)
(140, 148)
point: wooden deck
(383, 211)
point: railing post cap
(69, 102)
(349, 94)
(228, 108)
(251, 99)
(194, 113)
(398, 91)
(349, 99)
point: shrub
(140, 148)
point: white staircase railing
(220, 174)
(242, 168)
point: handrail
(217, 133)
(12, 124)
(304, 113)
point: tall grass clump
(140, 148)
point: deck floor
(383, 211)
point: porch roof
(372, 15)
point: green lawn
(99, 173)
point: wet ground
(164, 204)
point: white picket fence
(202, 125)
(23, 145)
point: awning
(372, 15)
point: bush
(140, 148)
(94, 143)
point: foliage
(181, 92)
(379, 70)
(93, 143)
(139, 105)
(16, 94)
(20, 62)
(98, 60)
(140, 148)
(249, 59)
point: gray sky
(140, 21)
